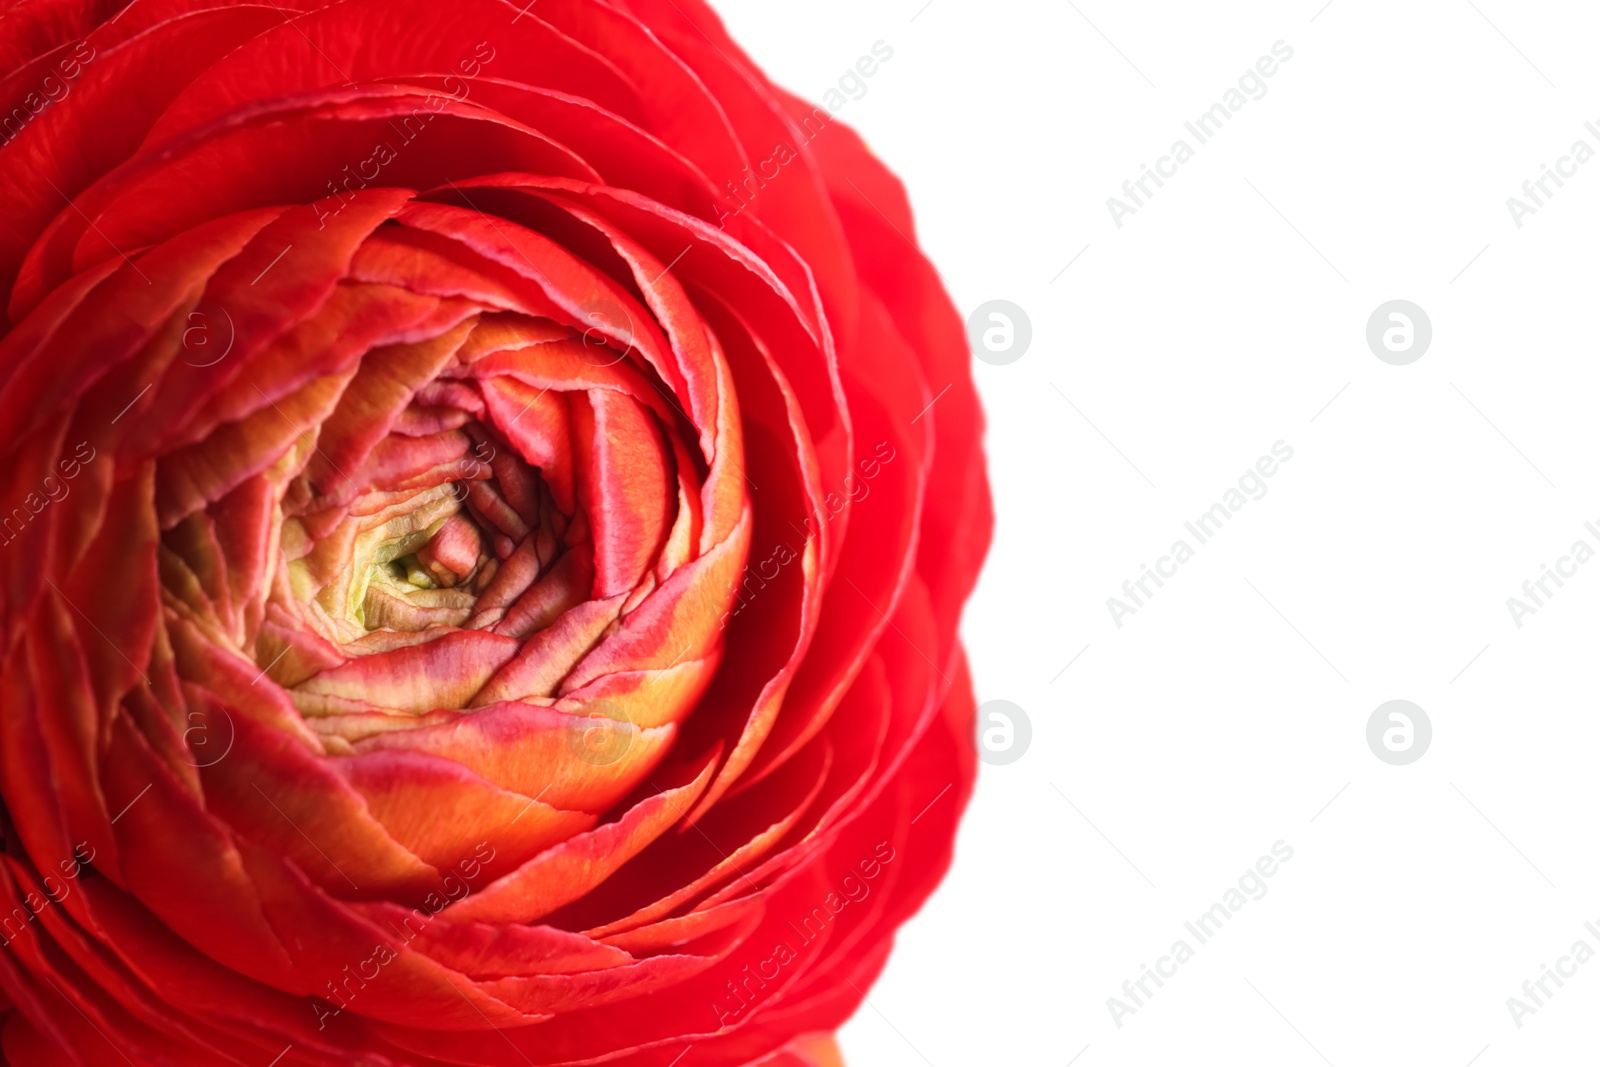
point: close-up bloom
(489, 496)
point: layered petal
(480, 556)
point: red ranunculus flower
(489, 492)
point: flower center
(422, 568)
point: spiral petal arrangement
(481, 543)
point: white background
(1229, 711)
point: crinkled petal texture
(489, 493)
